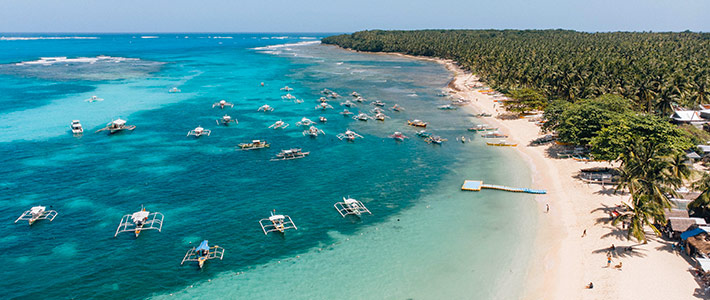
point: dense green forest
(655, 70)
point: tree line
(656, 70)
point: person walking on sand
(584, 233)
(608, 260)
(547, 207)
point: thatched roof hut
(701, 243)
(681, 224)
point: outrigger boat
(297, 101)
(417, 123)
(399, 136)
(94, 99)
(286, 88)
(255, 144)
(322, 99)
(199, 131)
(323, 106)
(37, 213)
(460, 102)
(225, 120)
(346, 112)
(423, 133)
(494, 134)
(348, 103)
(313, 131)
(378, 103)
(305, 122)
(174, 90)
(278, 223)
(360, 99)
(333, 95)
(76, 127)
(482, 127)
(462, 139)
(380, 117)
(396, 107)
(355, 94)
(377, 110)
(293, 153)
(435, 139)
(481, 115)
(502, 143)
(265, 108)
(322, 119)
(448, 107)
(362, 117)
(326, 92)
(222, 104)
(348, 135)
(288, 97)
(139, 221)
(116, 126)
(279, 125)
(203, 253)
(350, 206)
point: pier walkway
(477, 185)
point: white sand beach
(564, 262)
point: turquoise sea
(426, 239)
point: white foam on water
(65, 60)
(34, 38)
(279, 46)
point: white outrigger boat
(203, 253)
(322, 99)
(435, 139)
(378, 103)
(333, 95)
(222, 104)
(355, 94)
(346, 112)
(288, 97)
(313, 131)
(322, 119)
(377, 110)
(399, 136)
(174, 90)
(94, 99)
(305, 122)
(37, 213)
(278, 223)
(265, 108)
(348, 103)
(348, 135)
(76, 127)
(294, 153)
(139, 221)
(279, 125)
(362, 117)
(255, 144)
(380, 116)
(396, 107)
(323, 106)
(116, 126)
(482, 127)
(417, 123)
(350, 206)
(326, 92)
(297, 101)
(199, 131)
(225, 120)
(448, 107)
(286, 88)
(360, 99)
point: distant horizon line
(334, 32)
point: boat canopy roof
(276, 217)
(37, 209)
(203, 246)
(119, 122)
(140, 215)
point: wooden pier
(477, 185)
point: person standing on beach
(608, 260)
(547, 207)
(584, 233)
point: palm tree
(679, 171)
(642, 212)
(701, 204)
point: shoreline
(563, 261)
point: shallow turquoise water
(426, 239)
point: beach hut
(699, 244)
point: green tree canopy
(525, 100)
(577, 123)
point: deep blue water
(205, 188)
